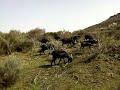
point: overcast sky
(54, 15)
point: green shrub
(19, 41)
(15, 41)
(9, 73)
(36, 33)
(4, 46)
(54, 35)
(26, 45)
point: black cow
(68, 41)
(60, 54)
(88, 37)
(46, 47)
(44, 40)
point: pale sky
(54, 15)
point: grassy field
(92, 69)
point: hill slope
(111, 21)
(95, 68)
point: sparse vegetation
(94, 68)
(9, 74)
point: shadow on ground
(45, 66)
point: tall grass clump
(4, 45)
(9, 73)
(36, 33)
(18, 41)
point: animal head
(78, 36)
(96, 41)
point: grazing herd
(62, 54)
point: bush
(9, 73)
(4, 46)
(25, 46)
(54, 35)
(19, 42)
(117, 35)
(36, 33)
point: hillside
(107, 24)
(95, 68)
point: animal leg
(89, 46)
(64, 61)
(40, 52)
(59, 61)
(53, 60)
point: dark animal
(57, 37)
(92, 41)
(76, 38)
(60, 54)
(19, 49)
(68, 41)
(44, 40)
(86, 44)
(46, 47)
(88, 37)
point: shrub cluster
(9, 73)
(15, 41)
